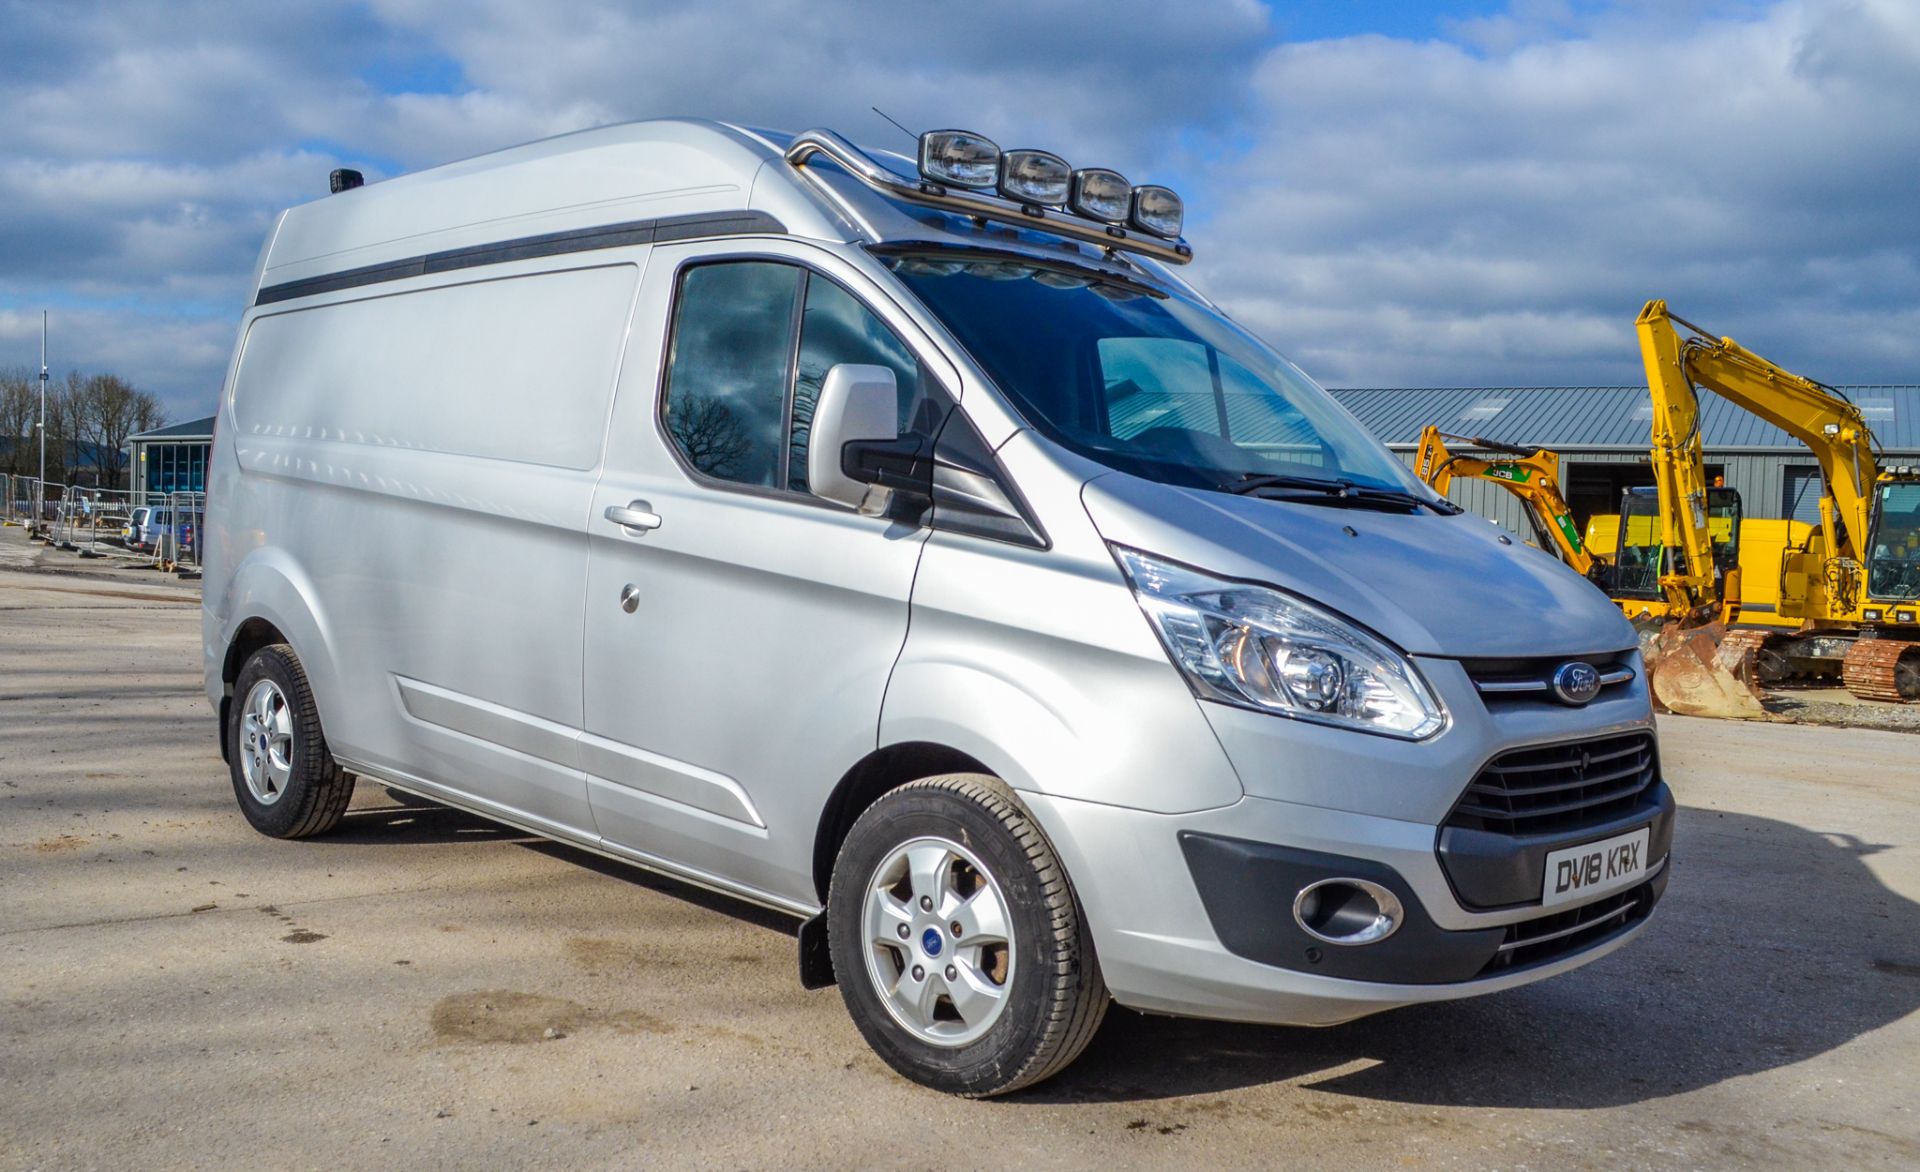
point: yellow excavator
(1853, 582)
(1532, 476)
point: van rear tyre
(287, 782)
(957, 943)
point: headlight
(1259, 648)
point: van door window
(835, 328)
(725, 401)
(740, 395)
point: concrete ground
(176, 990)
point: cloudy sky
(1395, 192)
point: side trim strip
(698, 226)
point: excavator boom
(1531, 475)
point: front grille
(1551, 788)
(1530, 679)
(1536, 942)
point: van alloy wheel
(284, 776)
(939, 948)
(266, 742)
(961, 952)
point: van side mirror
(856, 402)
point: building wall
(162, 466)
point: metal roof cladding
(191, 429)
(1570, 418)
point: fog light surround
(1347, 912)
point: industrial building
(170, 459)
(1603, 435)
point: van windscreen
(1143, 380)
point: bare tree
(66, 447)
(19, 411)
(111, 409)
(709, 435)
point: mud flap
(816, 961)
(1700, 671)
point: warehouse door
(1800, 499)
(1594, 486)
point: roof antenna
(903, 130)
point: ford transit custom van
(901, 543)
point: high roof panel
(1601, 417)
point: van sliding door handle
(633, 516)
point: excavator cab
(1893, 562)
(1640, 558)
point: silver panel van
(902, 544)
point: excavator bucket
(1700, 671)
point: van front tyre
(287, 782)
(959, 948)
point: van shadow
(1773, 944)
(420, 821)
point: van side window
(725, 401)
(835, 328)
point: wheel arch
(878, 773)
(268, 600)
(250, 636)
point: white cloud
(1428, 213)
(1482, 209)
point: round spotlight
(959, 158)
(1035, 177)
(1157, 210)
(1100, 194)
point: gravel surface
(1834, 706)
(424, 989)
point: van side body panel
(1040, 664)
(382, 444)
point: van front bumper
(1192, 913)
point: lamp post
(40, 505)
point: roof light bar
(960, 158)
(951, 165)
(1035, 177)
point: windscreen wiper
(1339, 493)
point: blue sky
(1479, 192)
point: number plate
(1581, 872)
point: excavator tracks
(1883, 669)
(1740, 654)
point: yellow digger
(1532, 476)
(1761, 544)
(1852, 582)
